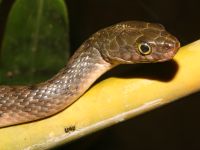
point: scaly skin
(107, 48)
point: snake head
(138, 42)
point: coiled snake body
(124, 43)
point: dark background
(175, 126)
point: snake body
(123, 43)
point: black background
(175, 126)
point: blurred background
(175, 126)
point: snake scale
(127, 42)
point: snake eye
(144, 48)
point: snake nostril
(167, 46)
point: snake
(128, 42)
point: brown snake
(124, 43)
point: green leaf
(36, 41)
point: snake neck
(85, 66)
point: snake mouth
(168, 56)
(163, 60)
(144, 61)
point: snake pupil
(144, 48)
